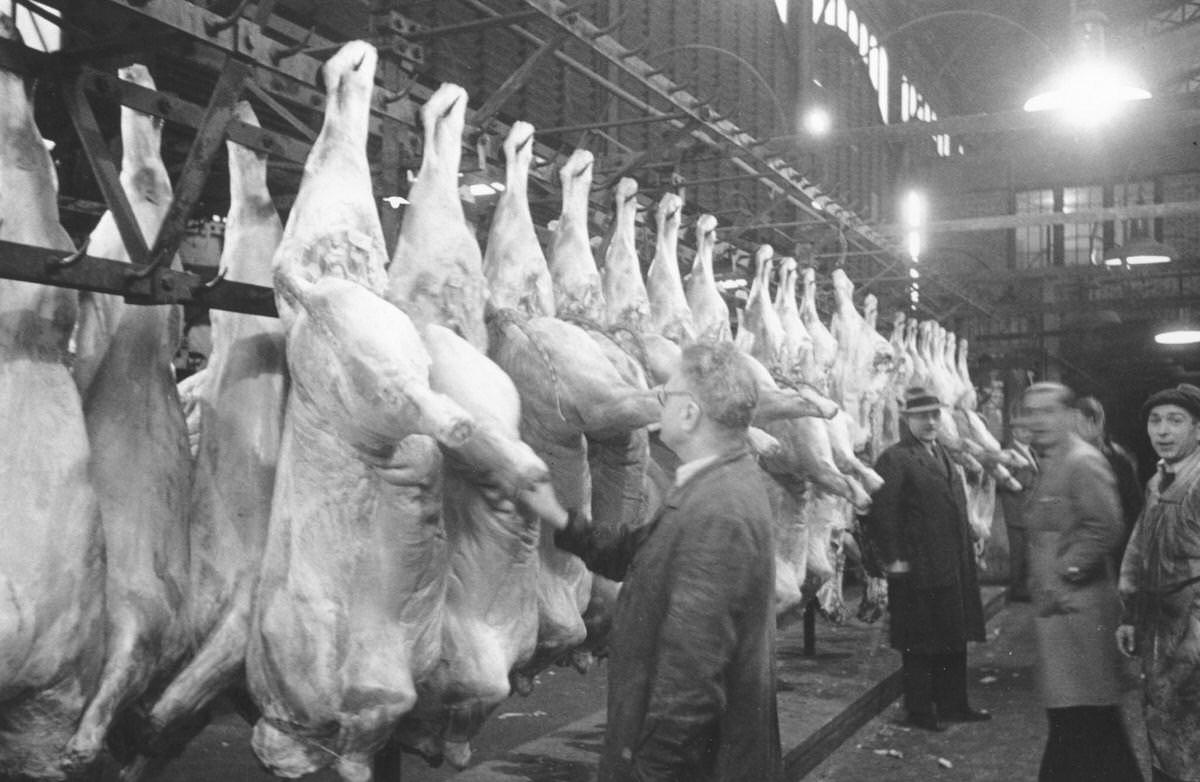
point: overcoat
(920, 516)
(691, 672)
(1073, 520)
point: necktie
(1168, 477)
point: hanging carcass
(239, 402)
(349, 606)
(493, 541)
(52, 558)
(141, 461)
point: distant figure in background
(1013, 505)
(691, 682)
(1073, 520)
(1160, 584)
(918, 522)
(1094, 431)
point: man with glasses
(919, 523)
(691, 679)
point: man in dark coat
(691, 679)
(919, 521)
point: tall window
(38, 33)
(1034, 244)
(1074, 244)
(836, 13)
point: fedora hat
(919, 399)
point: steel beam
(777, 175)
(516, 80)
(104, 275)
(190, 184)
(1002, 222)
(105, 169)
(616, 123)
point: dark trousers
(1018, 563)
(1088, 744)
(1158, 775)
(934, 681)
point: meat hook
(217, 280)
(69, 260)
(212, 27)
(612, 26)
(282, 53)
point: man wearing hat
(918, 520)
(1160, 586)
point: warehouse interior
(899, 141)
(711, 101)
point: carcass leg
(125, 664)
(829, 596)
(214, 668)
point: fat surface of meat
(710, 314)
(348, 611)
(239, 405)
(513, 263)
(824, 345)
(141, 468)
(577, 287)
(52, 557)
(670, 315)
(625, 299)
(436, 275)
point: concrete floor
(554, 735)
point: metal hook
(612, 26)
(279, 55)
(213, 27)
(215, 281)
(69, 260)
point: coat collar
(677, 493)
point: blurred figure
(1073, 519)
(1094, 431)
(1013, 505)
(1160, 584)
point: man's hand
(1127, 640)
(897, 567)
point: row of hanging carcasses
(345, 516)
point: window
(1034, 244)
(1083, 243)
(38, 33)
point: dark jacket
(920, 516)
(691, 680)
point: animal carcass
(52, 556)
(240, 421)
(140, 465)
(348, 610)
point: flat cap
(1184, 395)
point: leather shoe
(925, 722)
(966, 715)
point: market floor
(560, 723)
(1006, 749)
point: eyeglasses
(663, 395)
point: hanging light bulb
(1095, 88)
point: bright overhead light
(1178, 337)
(1089, 94)
(915, 274)
(914, 209)
(817, 121)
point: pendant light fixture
(1093, 88)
